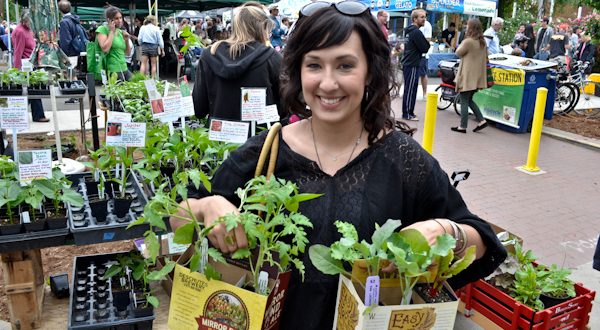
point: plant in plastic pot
(122, 200)
(10, 197)
(525, 288)
(33, 198)
(58, 191)
(276, 235)
(556, 285)
(118, 273)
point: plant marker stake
(152, 186)
(55, 119)
(183, 128)
(253, 128)
(203, 255)
(372, 291)
(263, 281)
(118, 171)
(171, 128)
(15, 146)
(166, 92)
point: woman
(349, 150)
(114, 43)
(243, 60)
(530, 49)
(23, 43)
(471, 75)
(152, 45)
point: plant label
(228, 131)
(151, 89)
(175, 248)
(270, 115)
(35, 164)
(104, 78)
(13, 113)
(372, 291)
(175, 107)
(187, 106)
(125, 134)
(25, 217)
(253, 103)
(118, 117)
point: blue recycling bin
(533, 80)
(510, 103)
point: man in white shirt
(172, 29)
(427, 31)
(491, 36)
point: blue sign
(445, 6)
(391, 5)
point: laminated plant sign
(35, 164)
(199, 303)
(254, 101)
(350, 311)
(270, 114)
(13, 113)
(228, 131)
(124, 134)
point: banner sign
(391, 5)
(445, 6)
(480, 8)
(502, 102)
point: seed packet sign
(125, 134)
(253, 103)
(13, 113)
(35, 164)
(176, 107)
(199, 303)
(228, 131)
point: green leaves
(321, 257)
(184, 234)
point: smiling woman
(348, 149)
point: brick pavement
(557, 214)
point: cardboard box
(350, 311)
(199, 303)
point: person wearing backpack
(73, 38)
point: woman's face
(334, 79)
(118, 19)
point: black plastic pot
(552, 301)
(10, 229)
(99, 208)
(91, 186)
(122, 206)
(57, 223)
(121, 299)
(111, 189)
(167, 170)
(143, 311)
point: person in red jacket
(24, 43)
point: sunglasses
(347, 7)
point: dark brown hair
(326, 28)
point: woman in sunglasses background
(350, 150)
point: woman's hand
(112, 26)
(209, 210)
(431, 229)
(125, 34)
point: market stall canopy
(189, 14)
(97, 14)
(199, 5)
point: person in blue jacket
(415, 47)
(277, 32)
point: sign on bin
(502, 102)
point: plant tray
(114, 319)
(88, 231)
(72, 87)
(504, 311)
(36, 91)
(34, 240)
(11, 92)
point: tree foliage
(511, 26)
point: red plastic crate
(507, 313)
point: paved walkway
(557, 214)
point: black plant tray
(11, 92)
(33, 240)
(114, 320)
(88, 231)
(35, 91)
(72, 87)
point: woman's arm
(126, 39)
(19, 47)
(431, 229)
(462, 49)
(105, 41)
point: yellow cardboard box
(199, 303)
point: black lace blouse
(393, 179)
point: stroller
(448, 87)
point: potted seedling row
(67, 87)
(38, 83)
(12, 82)
(521, 294)
(417, 286)
(112, 198)
(112, 291)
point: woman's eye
(346, 67)
(312, 66)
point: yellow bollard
(430, 117)
(536, 131)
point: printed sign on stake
(228, 131)
(270, 115)
(122, 134)
(13, 113)
(35, 164)
(253, 103)
(151, 89)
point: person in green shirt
(114, 42)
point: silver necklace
(334, 158)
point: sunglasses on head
(347, 7)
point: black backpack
(80, 39)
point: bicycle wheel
(564, 99)
(443, 102)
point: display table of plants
(14, 82)
(522, 294)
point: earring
(366, 93)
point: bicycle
(579, 80)
(567, 92)
(448, 94)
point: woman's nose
(328, 81)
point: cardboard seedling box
(199, 303)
